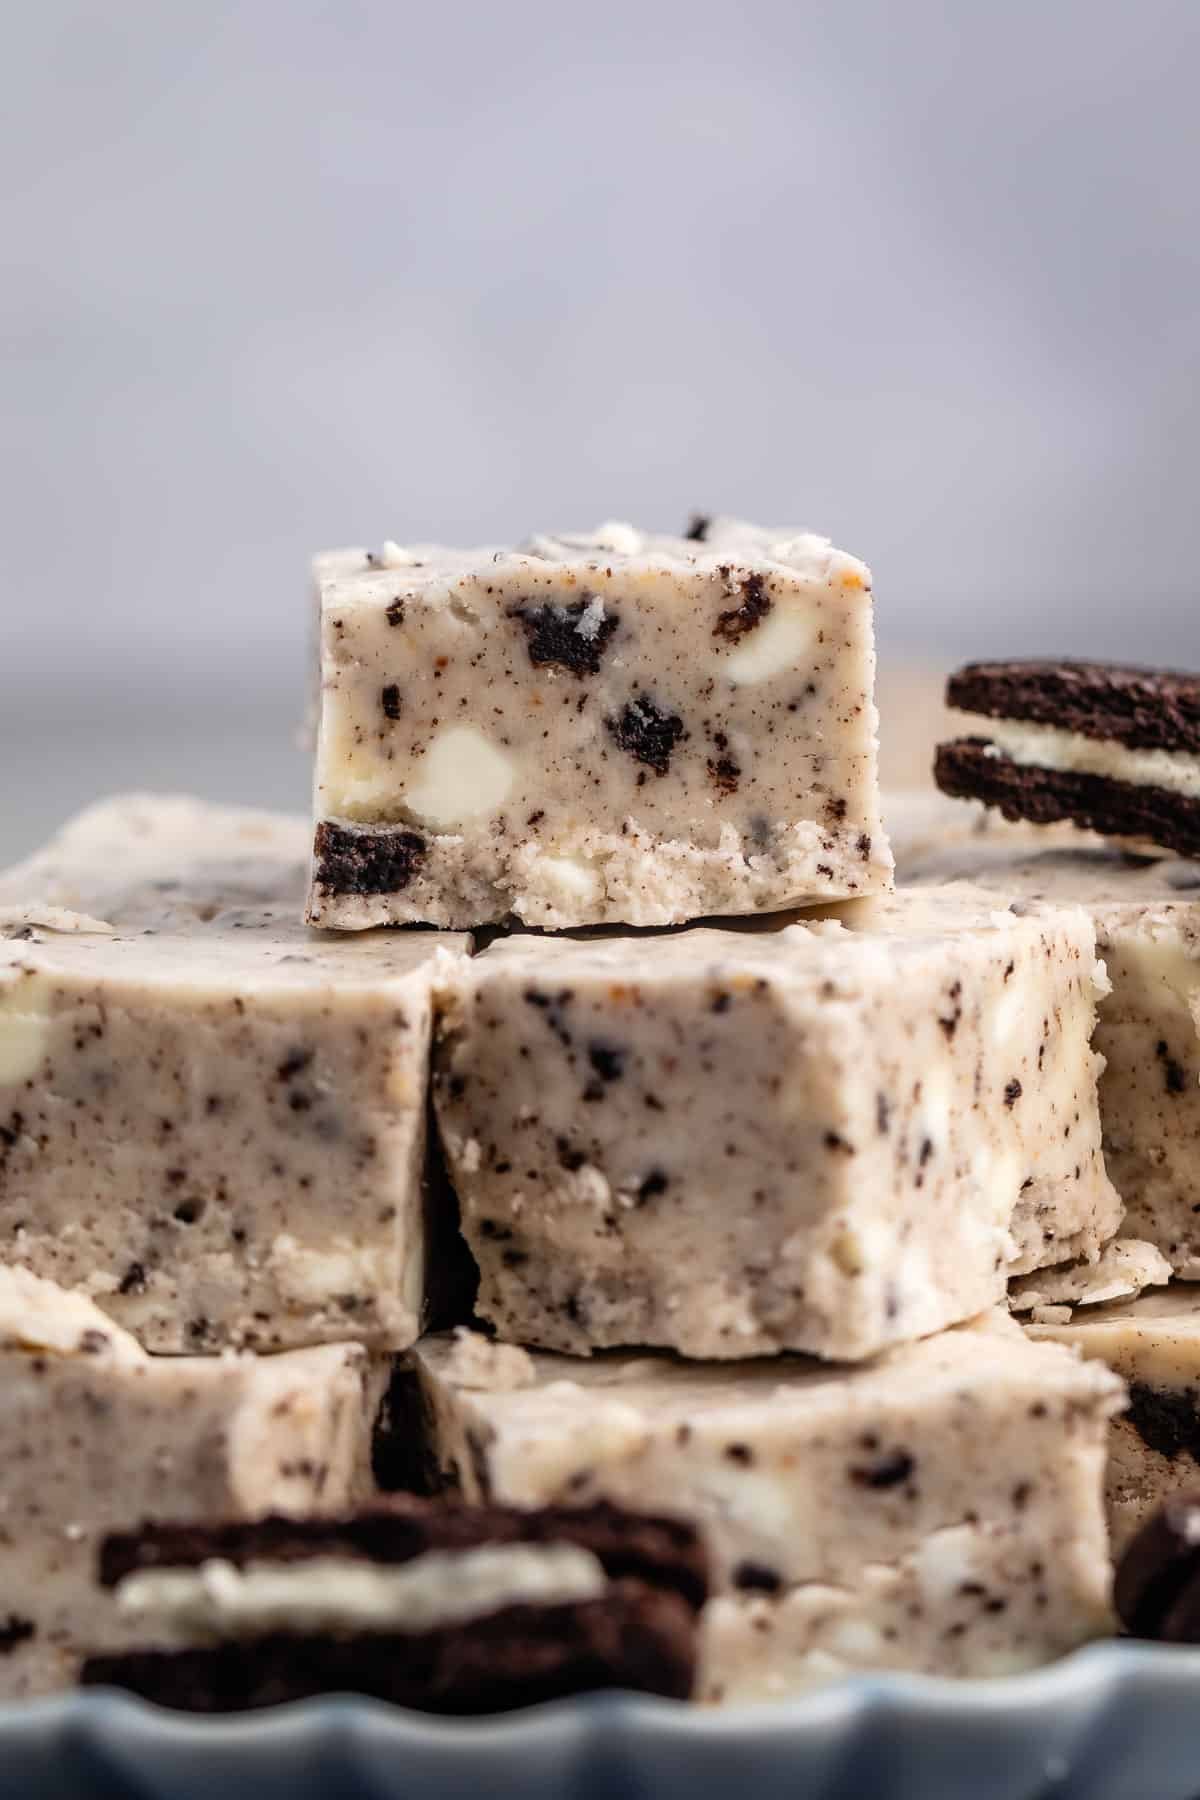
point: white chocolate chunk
(463, 776)
(780, 643)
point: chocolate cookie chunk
(1158, 1578)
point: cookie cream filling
(440, 1588)
(1070, 752)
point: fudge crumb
(697, 531)
(389, 699)
(572, 637)
(133, 1281)
(351, 860)
(756, 604)
(647, 733)
(1012, 1093)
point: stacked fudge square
(742, 1145)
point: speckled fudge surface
(211, 1118)
(595, 729)
(1147, 914)
(95, 1434)
(939, 1509)
(1153, 1343)
(816, 1138)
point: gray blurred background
(278, 276)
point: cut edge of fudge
(528, 1110)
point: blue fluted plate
(1115, 1722)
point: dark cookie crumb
(353, 860)
(756, 604)
(1166, 1420)
(389, 699)
(888, 1472)
(554, 638)
(653, 1184)
(133, 1281)
(697, 531)
(14, 1632)
(756, 1578)
(647, 732)
(1173, 1074)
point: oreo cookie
(1110, 748)
(1158, 1578)
(431, 1605)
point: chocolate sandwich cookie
(1158, 1578)
(1112, 749)
(435, 1606)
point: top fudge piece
(598, 729)
(812, 1138)
(1114, 749)
(211, 1118)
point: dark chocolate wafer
(969, 770)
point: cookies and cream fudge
(1153, 1343)
(1112, 748)
(612, 727)
(95, 1434)
(1147, 916)
(816, 1138)
(939, 1509)
(444, 1608)
(1124, 1269)
(211, 1118)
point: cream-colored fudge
(939, 1509)
(211, 1118)
(1153, 1343)
(1147, 915)
(816, 1138)
(606, 728)
(95, 1435)
(1124, 1269)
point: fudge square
(1147, 915)
(606, 728)
(211, 1118)
(815, 1138)
(939, 1509)
(95, 1434)
(1153, 1343)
